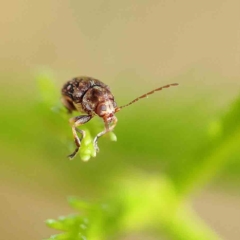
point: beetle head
(106, 110)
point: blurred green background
(175, 169)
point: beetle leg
(106, 130)
(114, 124)
(75, 122)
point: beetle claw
(71, 156)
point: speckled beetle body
(83, 93)
(92, 97)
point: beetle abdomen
(77, 87)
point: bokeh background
(184, 138)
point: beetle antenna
(145, 95)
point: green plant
(149, 203)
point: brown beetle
(93, 97)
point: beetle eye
(103, 107)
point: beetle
(92, 97)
